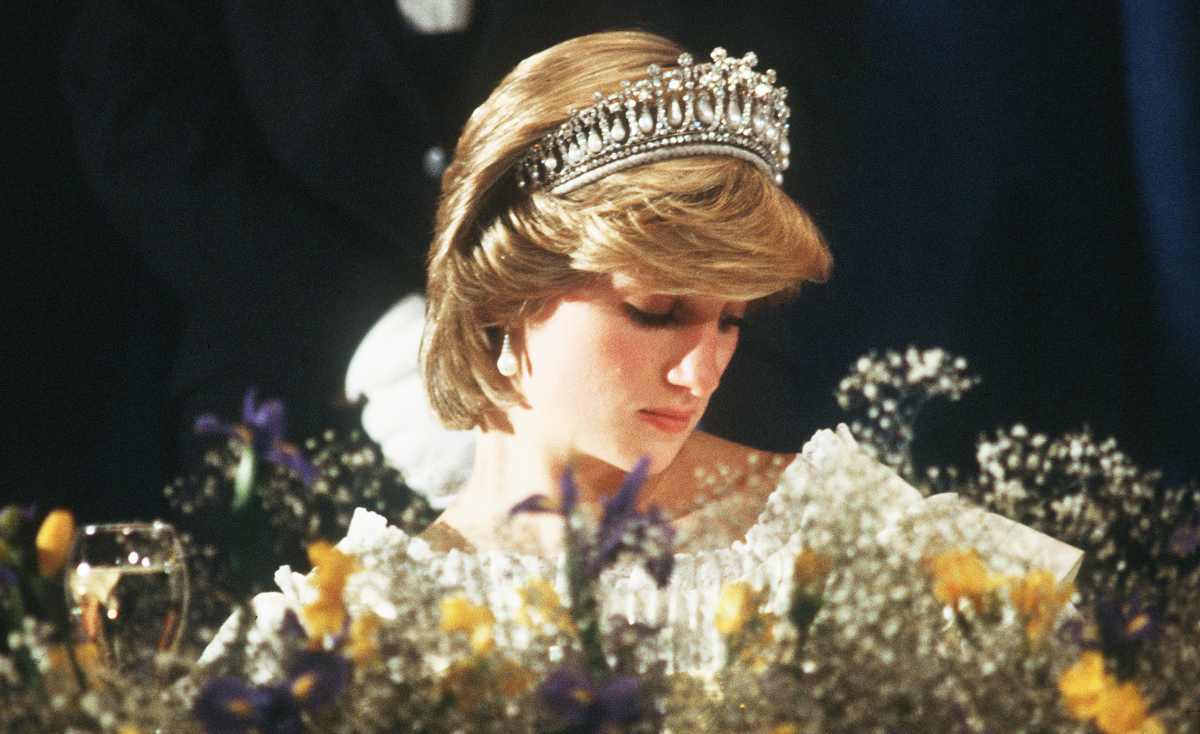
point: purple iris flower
(1121, 628)
(1124, 624)
(290, 628)
(585, 707)
(622, 527)
(228, 705)
(317, 678)
(568, 494)
(262, 429)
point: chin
(661, 456)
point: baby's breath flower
(886, 392)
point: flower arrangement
(883, 629)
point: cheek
(570, 355)
(624, 354)
(588, 355)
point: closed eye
(732, 322)
(664, 319)
(651, 319)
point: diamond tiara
(720, 108)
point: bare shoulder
(724, 488)
(708, 464)
(704, 450)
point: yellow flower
(459, 614)
(482, 640)
(810, 569)
(1090, 692)
(323, 617)
(362, 648)
(1038, 598)
(737, 605)
(754, 647)
(749, 632)
(1123, 711)
(540, 605)
(331, 568)
(960, 575)
(54, 541)
(1084, 685)
(475, 681)
(783, 729)
(512, 679)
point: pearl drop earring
(506, 363)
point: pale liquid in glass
(129, 612)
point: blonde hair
(712, 225)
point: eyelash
(664, 320)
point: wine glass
(127, 592)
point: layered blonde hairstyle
(713, 226)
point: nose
(700, 368)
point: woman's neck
(508, 470)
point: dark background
(1016, 182)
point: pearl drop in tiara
(720, 108)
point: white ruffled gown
(436, 461)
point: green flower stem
(803, 610)
(249, 526)
(585, 607)
(734, 644)
(243, 483)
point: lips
(668, 420)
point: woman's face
(618, 371)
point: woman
(587, 279)
(582, 317)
